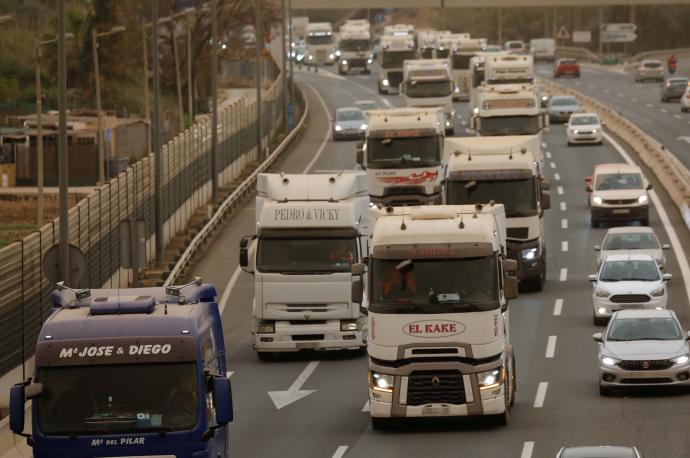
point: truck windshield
(403, 153)
(306, 256)
(518, 196)
(354, 45)
(428, 88)
(434, 286)
(461, 61)
(126, 398)
(320, 39)
(509, 125)
(395, 59)
(442, 53)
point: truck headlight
(643, 199)
(337, 53)
(594, 131)
(597, 200)
(530, 253)
(363, 127)
(381, 382)
(310, 57)
(266, 327)
(331, 56)
(608, 361)
(349, 325)
(370, 60)
(344, 61)
(602, 293)
(681, 359)
(338, 128)
(660, 291)
(490, 379)
(385, 82)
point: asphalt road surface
(557, 399)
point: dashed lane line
(551, 347)
(564, 274)
(564, 223)
(527, 449)
(558, 307)
(564, 206)
(649, 105)
(564, 246)
(559, 190)
(340, 451)
(557, 176)
(663, 110)
(552, 164)
(677, 116)
(548, 154)
(541, 395)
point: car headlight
(594, 131)
(363, 127)
(456, 90)
(575, 131)
(381, 382)
(601, 293)
(490, 379)
(643, 199)
(530, 253)
(385, 82)
(597, 200)
(660, 291)
(608, 361)
(338, 128)
(447, 122)
(265, 327)
(475, 110)
(681, 359)
(545, 97)
(311, 57)
(349, 325)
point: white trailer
(508, 109)
(462, 53)
(439, 285)
(311, 242)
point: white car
(650, 70)
(685, 101)
(584, 128)
(618, 192)
(630, 239)
(627, 281)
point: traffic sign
(617, 37)
(563, 33)
(76, 269)
(582, 36)
(619, 27)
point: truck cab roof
(405, 119)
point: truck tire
(502, 419)
(265, 355)
(595, 223)
(366, 72)
(380, 424)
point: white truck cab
(428, 83)
(311, 242)
(403, 155)
(354, 47)
(463, 51)
(504, 170)
(508, 109)
(320, 44)
(439, 285)
(395, 50)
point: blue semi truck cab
(137, 372)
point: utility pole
(259, 41)
(292, 58)
(190, 81)
(214, 101)
(283, 70)
(500, 26)
(147, 98)
(601, 30)
(155, 128)
(39, 141)
(178, 81)
(63, 174)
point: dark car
(561, 107)
(673, 89)
(566, 67)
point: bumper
(351, 64)
(559, 117)
(637, 213)
(604, 308)
(348, 134)
(616, 377)
(585, 138)
(407, 199)
(328, 336)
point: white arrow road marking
(294, 393)
(541, 395)
(340, 451)
(684, 139)
(558, 307)
(367, 407)
(548, 154)
(527, 450)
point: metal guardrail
(670, 172)
(581, 54)
(237, 195)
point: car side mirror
(222, 397)
(666, 277)
(603, 123)
(598, 337)
(592, 278)
(649, 187)
(545, 201)
(665, 246)
(597, 248)
(510, 286)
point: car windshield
(515, 45)
(418, 88)
(367, 106)
(461, 61)
(434, 285)
(349, 115)
(563, 101)
(611, 181)
(117, 399)
(631, 241)
(320, 39)
(584, 120)
(354, 45)
(627, 329)
(305, 256)
(652, 64)
(629, 270)
(509, 125)
(395, 59)
(518, 196)
(403, 153)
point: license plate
(436, 411)
(306, 344)
(650, 374)
(621, 211)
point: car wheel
(380, 90)
(569, 143)
(380, 424)
(595, 223)
(683, 109)
(605, 391)
(600, 320)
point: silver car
(349, 123)
(599, 451)
(631, 239)
(562, 106)
(643, 348)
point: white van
(543, 49)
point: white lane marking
(619, 94)
(459, 116)
(294, 393)
(551, 346)
(649, 105)
(557, 176)
(606, 91)
(340, 451)
(564, 206)
(564, 224)
(374, 93)
(367, 407)
(324, 73)
(684, 139)
(548, 154)
(233, 279)
(464, 123)
(229, 374)
(541, 395)
(552, 164)
(559, 190)
(663, 110)
(564, 274)
(543, 144)
(328, 131)
(564, 245)
(663, 216)
(558, 307)
(634, 100)
(527, 449)
(677, 116)
(591, 86)
(468, 131)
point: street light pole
(155, 128)
(39, 141)
(147, 99)
(178, 81)
(292, 57)
(190, 82)
(63, 175)
(258, 39)
(283, 70)
(214, 101)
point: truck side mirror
(545, 201)
(222, 398)
(357, 290)
(592, 278)
(244, 253)
(545, 185)
(588, 188)
(510, 266)
(510, 285)
(666, 246)
(597, 248)
(360, 157)
(17, 408)
(649, 187)
(666, 277)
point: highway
(557, 399)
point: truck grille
(427, 387)
(645, 381)
(395, 78)
(620, 201)
(403, 190)
(307, 337)
(629, 298)
(646, 365)
(306, 308)
(517, 232)
(321, 54)
(358, 62)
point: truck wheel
(502, 419)
(538, 283)
(366, 72)
(380, 424)
(380, 90)
(361, 351)
(600, 321)
(265, 355)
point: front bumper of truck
(320, 335)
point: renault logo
(435, 381)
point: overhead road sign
(619, 27)
(618, 37)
